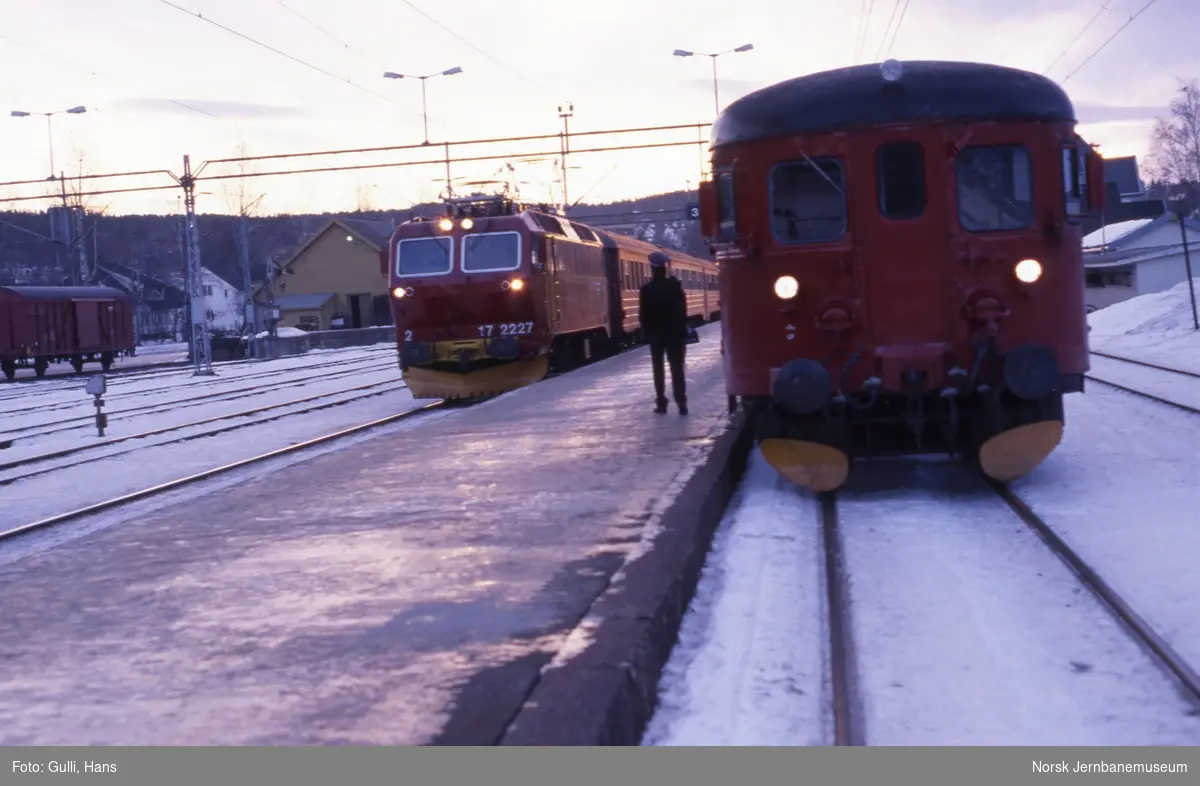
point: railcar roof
(66, 293)
(617, 240)
(858, 96)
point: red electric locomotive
(901, 266)
(493, 295)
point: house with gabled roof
(334, 276)
(1139, 257)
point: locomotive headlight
(467, 223)
(1028, 270)
(445, 225)
(398, 292)
(786, 287)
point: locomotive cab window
(900, 171)
(424, 256)
(1075, 181)
(495, 251)
(726, 217)
(995, 188)
(808, 205)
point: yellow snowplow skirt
(812, 465)
(492, 381)
(1013, 454)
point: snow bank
(1156, 328)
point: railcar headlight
(517, 285)
(467, 223)
(786, 287)
(1028, 270)
(445, 225)
(398, 292)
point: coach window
(726, 216)
(424, 256)
(808, 204)
(900, 170)
(995, 188)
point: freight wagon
(76, 325)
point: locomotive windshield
(808, 205)
(995, 191)
(491, 252)
(424, 256)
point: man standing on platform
(662, 312)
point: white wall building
(224, 302)
(1138, 257)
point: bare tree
(1174, 162)
(365, 198)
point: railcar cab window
(808, 205)
(726, 216)
(900, 171)
(496, 251)
(1075, 180)
(995, 188)
(424, 256)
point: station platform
(406, 591)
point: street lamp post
(424, 110)
(714, 56)
(75, 110)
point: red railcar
(76, 325)
(901, 266)
(491, 297)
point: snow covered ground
(39, 423)
(1157, 328)
(965, 629)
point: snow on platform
(404, 591)
(1157, 328)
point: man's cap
(658, 259)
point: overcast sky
(126, 60)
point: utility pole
(200, 338)
(248, 287)
(1187, 263)
(564, 148)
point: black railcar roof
(858, 96)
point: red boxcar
(491, 297)
(76, 325)
(901, 267)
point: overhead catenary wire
(1120, 30)
(282, 53)
(60, 59)
(347, 45)
(864, 30)
(896, 31)
(500, 63)
(1078, 36)
(887, 29)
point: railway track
(845, 698)
(82, 421)
(389, 387)
(115, 391)
(120, 377)
(125, 499)
(1161, 374)
(1146, 364)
